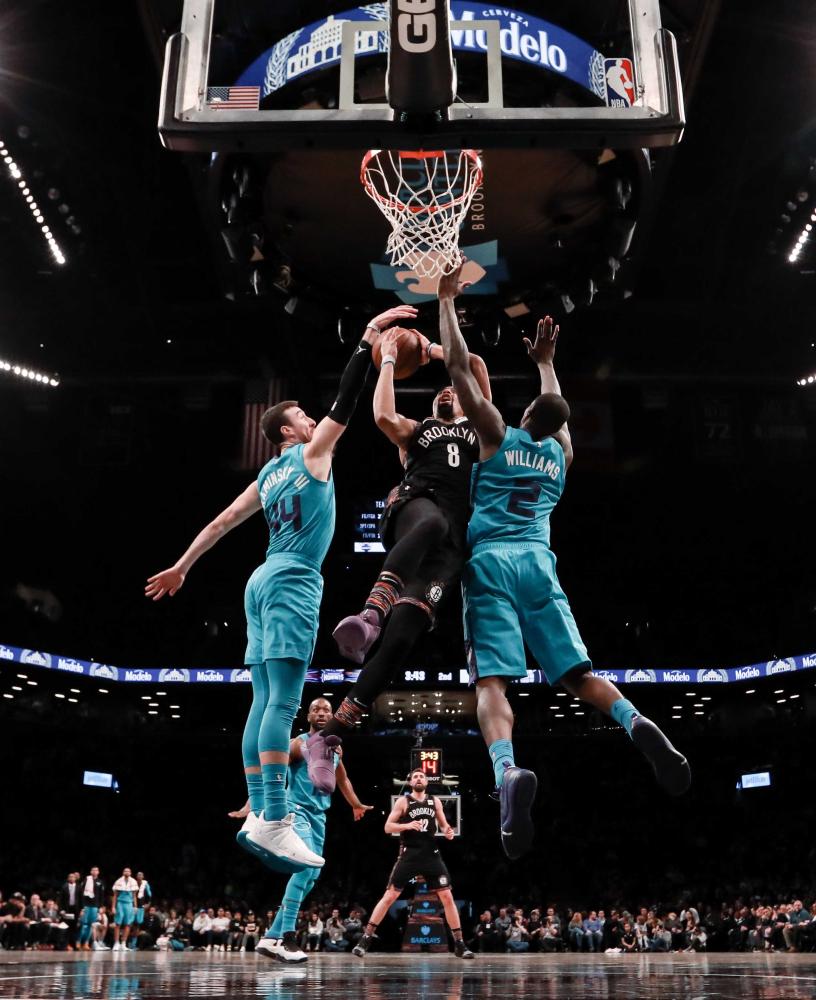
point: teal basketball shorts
(282, 603)
(511, 596)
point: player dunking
(415, 817)
(424, 529)
(296, 493)
(510, 589)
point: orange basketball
(409, 353)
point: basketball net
(425, 197)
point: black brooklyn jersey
(425, 812)
(440, 456)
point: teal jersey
(515, 490)
(300, 790)
(299, 509)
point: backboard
(539, 75)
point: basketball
(409, 353)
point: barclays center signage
(523, 37)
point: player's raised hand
(542, 351)
(388, 343)
(360, 811)
(450, 285)
(393, 315)
(166, 582)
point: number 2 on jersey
(279, 515)
(528, 494)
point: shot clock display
(427, 760)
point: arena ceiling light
(31, 204)
(808, 380)
(21, 371)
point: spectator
(202, 931)
(535, 928)
(518, 939)
(628, 939)
(219, 928)
(14, 923)
(334, 937)
(485, 937)
(354, 927)
(551, 939)
(593, 931)
(314, 931)
(502, 925)
(660, 938)
(575, 932)
(236, 931)
(252, 932)
(38, 925)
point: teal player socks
(624, 713)
(285, 686)
(501, 753)
(255, 788)
(274, 791)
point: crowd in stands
(738, 927)
(44, 922)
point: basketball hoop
(425, 197)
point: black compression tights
(418, 526)
(406, 624)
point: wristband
(429, 348)
(370, 326)
(389, 359)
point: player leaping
(424, 529)
(511, 592)
(282, 599)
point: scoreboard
(427, 760)
(367, 527)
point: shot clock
(427, 760)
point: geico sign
(416, 25)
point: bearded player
(416, 817)
(309, 807)
(295, 490)
(424, 529)
(511, 592)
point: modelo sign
(522, 37)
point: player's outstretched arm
(480, 411)
(542, 353)
(170, 580)
(318, 452)
(397, 428)
(347, 791)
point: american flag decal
(256, 451)
(233, 98)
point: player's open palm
(389, 342)
(542, 352)
(166, 582)
(393, 315)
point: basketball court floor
(146, 976)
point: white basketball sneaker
(283, 949)
(278, 839)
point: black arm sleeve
(351, 384)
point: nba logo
(619, 76)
